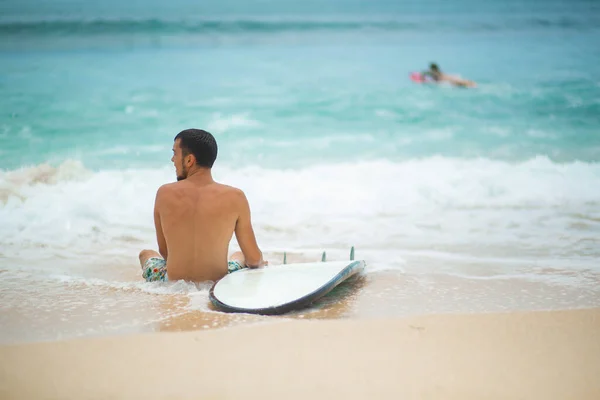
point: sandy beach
(544, 355)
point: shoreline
(539, 354)
(40, 310)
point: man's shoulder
(167, 191)
(177, 189)
(166, 188)
(230, 190)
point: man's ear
(190, 160)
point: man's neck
(200, 175)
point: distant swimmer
(435, 74)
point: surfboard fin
(284, 258)
(352, 254)
(323, 257)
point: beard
(184, 173)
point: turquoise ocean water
(317, 121)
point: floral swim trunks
(155, 269)
(233, 266)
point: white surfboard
(281, 288)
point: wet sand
(543, 354)
(37, 310)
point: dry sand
(527, 355)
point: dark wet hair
(434, 67)
(199, 143)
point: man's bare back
(195, 219)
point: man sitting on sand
(438, 76)
(196, 217)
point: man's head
(193, 147)
(434, 67)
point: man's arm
(160, 236)
(245, 235)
